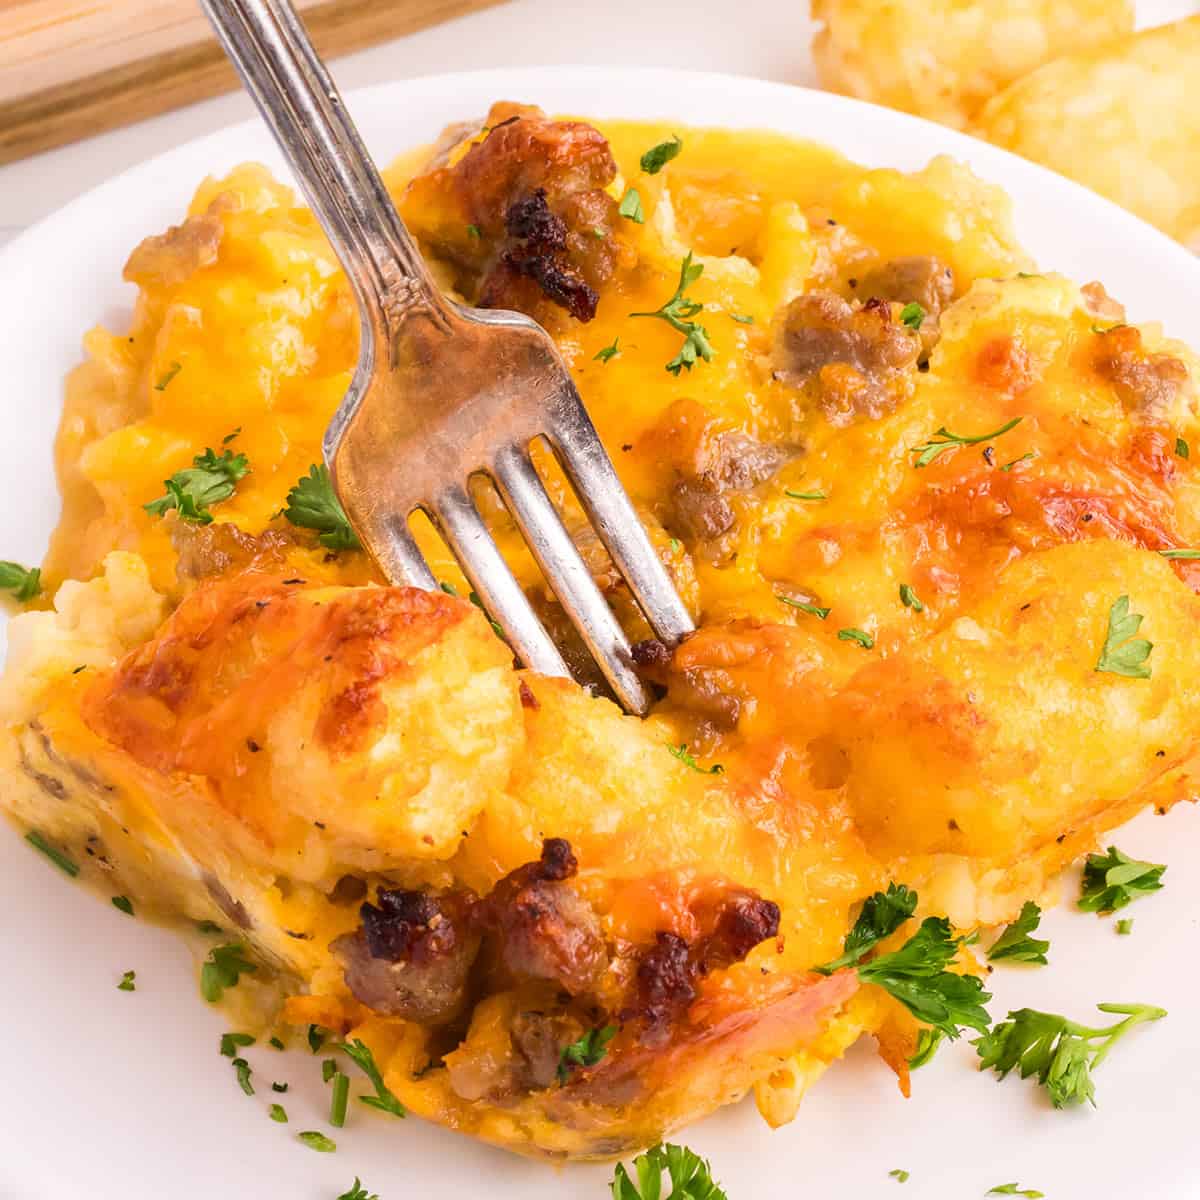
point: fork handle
(268, 45)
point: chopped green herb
(681, 752)
(1016, 944)
(899, 1175)
(278, 1113)
(242, 1067)
(317, 1141)
(598, 233)
(313, 504)
(912, 315)
(316, 1039)
(928, 1041)
(1181, 448)
(1059, 1052)
(231, 1041)
(1108, 328)
(910, 599)
(357, 1192)
(279, 1087)
(124, 904)
(585, 1051)
(127, 984)
(225, 965)
(338, 1100)
(56, 856)
(631, 207)
(814, 495)
(229, 437)
(865, 640)
(328, 1069)
(1112, 880)
(945, 440)
(690, 1176)
(916, 975)
(210, 479)
(658, 156)
(675, 545)
(1180, 553)
(814, 610)
(677, 312)
(208, 927)
(383, 1098)
(276, 1043)
(1015, 1189)
(23, 582)
(1008, 466)
(165, 378)
(882, 914)
(608, 351)
(1124, 654)
(473, 232)
(741, 318)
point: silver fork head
(441, 392)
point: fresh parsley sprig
(1112, 880)
(1061, 1053)
(1015, 1189)
(211, 478)
(313, 504)
(1124, 654)
(1015, 944)
(690, 1176)
(383, 1099)
(585, 1051)
(357, 1192)
(944, 440)
(23, 582)
(225, 966)
(678, 313)
(882, 914)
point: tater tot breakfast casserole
(935, 514)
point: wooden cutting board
(73, 68)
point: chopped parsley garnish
(127, 984)
(690, 1176)
(1181, 448)
(62, 861)
(225, 965)
(276, 1043)
(278, 1113)
(339, 1099)
(742, 318)
(928, 1041)
(208, 927)
(473, 232)
(383, 1098)
(944, 440)
(912, 315)
(231, 1041)
(882, 914)
(804, 606)
(315, 1140)
(1015, 1189)
(1008, 466)
(211, 478)
(229, 437)
(1016, 944)
(1125, 926)
(23, 582)
(357, 1192)
(242, 1067)
(316, 1039)
(631, 207)
(899, 1175)
(1124, 654)
(658, 156)
(165, 378)
(124, 904)
(279, 1087)
(586, 1051)
(328, 1069)
(681, 752)
(1180, 553)
(910, 599)
(814, 495)
(608, 352)
(865, 640)
(677, 312)
(313, 504)
(1112, 880)
(916, 975)
(1061, 1053)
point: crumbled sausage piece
(1146, 383)
(923, 278)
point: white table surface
(764, 38)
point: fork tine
(566, 572)
(470, 542)
(577, 445)
(400, 559)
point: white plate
(109, 1095)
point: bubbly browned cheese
(894, 675)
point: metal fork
(442, 392)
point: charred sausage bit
(923, 278)
(856, 361)
(666, 984)
(1145, 383)
(539, 1040)
(651, 657)
(412, 956)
